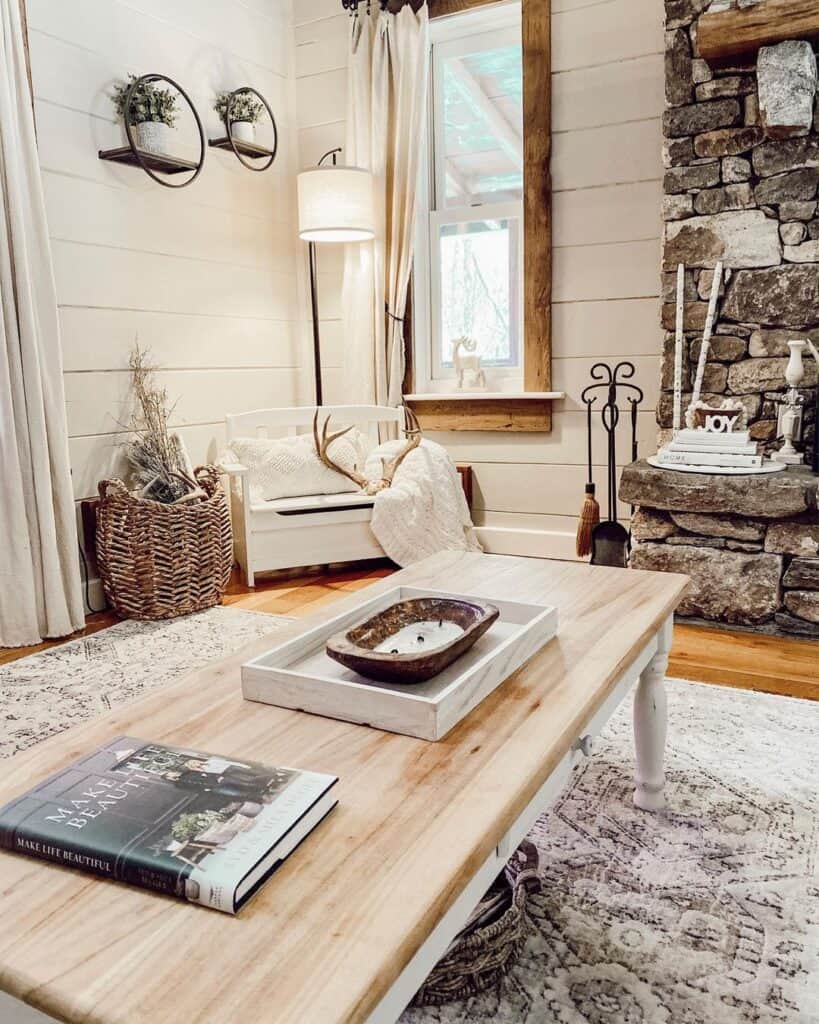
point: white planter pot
(243, 131)
(152, 136)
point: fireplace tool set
(608, 542)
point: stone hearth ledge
(774, 496)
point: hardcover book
(672, 458)
(196, 826)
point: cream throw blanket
(424, 511)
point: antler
(413, 433)
(323, 443)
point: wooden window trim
(519, 414)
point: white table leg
(650, 724)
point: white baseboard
(502, 540)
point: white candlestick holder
(791, 411)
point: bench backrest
(299, 420)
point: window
(469, 256)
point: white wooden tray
(298, 674)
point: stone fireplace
(741, 151)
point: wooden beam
(738, 31)
(537, 195)
(442, 8)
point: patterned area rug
(705, 914)
(48, 692)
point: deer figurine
(468, 362)
(323, 440)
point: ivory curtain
(39, 573)
(386, 104)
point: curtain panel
(40, 594)
(386, 104)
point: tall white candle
(678, 344)
(706, 334)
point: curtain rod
(353, 5)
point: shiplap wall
(607, 168)
(205, 276)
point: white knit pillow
(288, 467)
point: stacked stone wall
(737, 190)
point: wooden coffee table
(349, 927)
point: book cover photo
(200, 827)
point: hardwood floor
(749, 661)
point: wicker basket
(484, 950)
(158, 561)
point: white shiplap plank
(91, 275)
(610, 155)
(623, 270)
(322, 99)
(612, 213)
(630, 90)
(321, 46)
(118, 28)
(99, 403)
(102, 339)
(594, 328)
(617, 30)
(556, 490)
(155, 222)
(305, 11)
(223, 27)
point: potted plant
(245, 112)
(151, 113)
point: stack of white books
(706, 448)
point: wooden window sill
(522, 411)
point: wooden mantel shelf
(486, 396)
(519, 411)
(728, 34)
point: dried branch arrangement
(160, 466)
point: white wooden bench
(290, 532)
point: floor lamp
(335, 205)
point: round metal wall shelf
(155, 164)
(246, 151)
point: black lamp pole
(312, 257)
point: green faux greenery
(245, 107)
(149, 103)
(187, 826)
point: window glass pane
(479, 290)
(483, 125)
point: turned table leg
(650, 726)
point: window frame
(530, 411)
(453, 37)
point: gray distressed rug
(707, 913)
